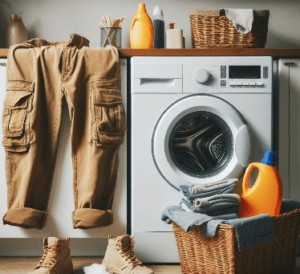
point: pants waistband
(75, 40)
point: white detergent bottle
(175, 39)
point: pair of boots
(119, 257)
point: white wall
(56, 19)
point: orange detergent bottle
(265, 196)
(141, 30)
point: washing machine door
(200, 139)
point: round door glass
(201, 144)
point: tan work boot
(56, 259)
(120, 259)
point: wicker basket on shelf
(212, 29)
(219, 254)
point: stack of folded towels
(213, 199)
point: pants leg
(37, 81)
(92, 88)
(31, 122)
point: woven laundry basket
(212, 29)
(219, 254)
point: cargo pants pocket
(17, 105)
(109, 121)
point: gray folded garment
(215, 199)
(213, 203)
(202, 191)
(231, 209)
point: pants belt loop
(78, 41)
(83, 42)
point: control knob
(201, 75)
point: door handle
(158, 81)
(2, 64)
(289, 63)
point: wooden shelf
(3, 53)
(202, 52)
(211, 52)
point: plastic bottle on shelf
(159, 28)
(141, 30)
(175, 39)
(265, 196)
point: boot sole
(65, 271)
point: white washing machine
(194, 120)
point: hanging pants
(40, 75)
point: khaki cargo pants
(40, 75)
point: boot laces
(127, 252)
(50, 256)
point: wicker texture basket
(220, 254)
(212, 29)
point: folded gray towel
(215, 199)
(212, 186)
(250, 232)
(212, 203)
(212, 208)
(202, 191)
(229, 210)
(185, 205)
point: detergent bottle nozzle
(270, 158)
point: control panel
(245, 74)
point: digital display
(244, 72)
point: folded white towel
(241, 18)
(95, 269)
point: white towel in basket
(241, 18)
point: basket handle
(205, 12)
(247, 176)
(222, 12)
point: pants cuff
(90, 218)
(25, 217)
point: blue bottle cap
(269, 158)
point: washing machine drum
(200, 139)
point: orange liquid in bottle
(265, 196)
(141, 30)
